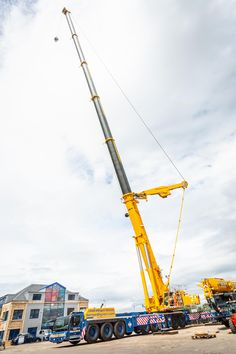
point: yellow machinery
(221, 297)
(215, 286)
(102, 312)
(160, 296)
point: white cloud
(62, 219)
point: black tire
(174, 322)
(74, 342)
(106, 331)
(92, 333)
(38, 340)
(225, 322)
(137, 330)
(119, 329)
(232, 326)
(145, 329)
(182, 322)
(154, 327)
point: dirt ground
(180, 343)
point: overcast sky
(61, 214)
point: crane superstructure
(218, 292)
(221, 297)
(149, 269)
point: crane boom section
(147, 261)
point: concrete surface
(181, 343)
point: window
(13, 333)
(37, 296)
(34, 313)
(82, 309)
(5, 316)
(17, 315)
(54, 302)
(71, 297)
(70, 309)
(32, 331)
(1, 335)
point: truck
(221, 297)
(159, 300)
(104, 323)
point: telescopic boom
(120, 172)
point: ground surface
(181, 343)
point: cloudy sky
(61, 214)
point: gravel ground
(180, 343)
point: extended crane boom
(145, 254)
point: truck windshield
(61, 324)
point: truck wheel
(92, 333)
(182, 323)
(74, 342)
(174, 323)
(137, 330)
(106, 331)
(119, 329)
(145, 329)
(232, 326)
(154, 327)
(225, 322)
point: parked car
(22, 338)
(44, 334)
(2, 345)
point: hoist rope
(176, 238)
(131, 104)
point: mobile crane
(221, 297)
(161, 298)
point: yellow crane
(221, 297)
(160, 297)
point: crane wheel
(74, 342)
(174, 322)
(154, 327)
(137, 330)
(225, 322)
(145, 329)
(92, 333)
(182, 322)
(106, 331)
(119, 329)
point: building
(34, 307)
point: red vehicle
(232, 323)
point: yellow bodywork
(212, 286)
(147, 262)
(96, 312)
(189, 300)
